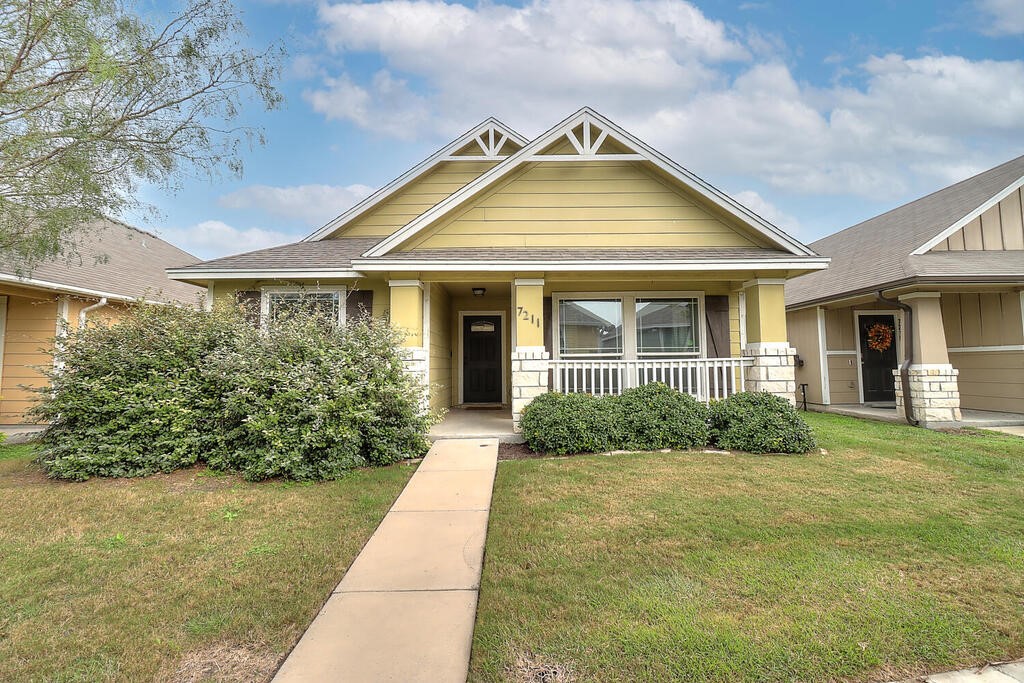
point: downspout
(908, 356)
(84, 313)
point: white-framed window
(328, 301)
(629, 325)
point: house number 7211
(529, 317)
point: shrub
(168, 387)
(759, 422)
(655, 416)
(569, 423)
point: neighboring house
(955, 259)
(582, 260)
(114, 265)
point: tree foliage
(96, 97)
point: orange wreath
(880, 337)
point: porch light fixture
(479, 291)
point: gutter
(908, 356)
(84, 313)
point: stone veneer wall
(773, 371)
(934, 394)
(529, 378)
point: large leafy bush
(168, 387)
(569, 423)
(655, 416)
(759, 422)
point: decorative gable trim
(491, 135)
(595, 131)
(963, 222)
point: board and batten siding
(973, 322)
(803, 336)
(1000, 228)
(440, 348)
(596, 204)
(415, 198)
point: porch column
(529, 358)
(407, 314)
(934, 392)
(774, 370)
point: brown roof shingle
(112, 258)
(877, 251)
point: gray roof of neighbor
(324, 254)
(114, 259)
(877, 252)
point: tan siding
(440, 348)
(1000, 228)
(415, 198)
(982, 319)
(843, 378)
(803, 336)
(608, 203)
(839, 330)
(31, 327)
(991, 381)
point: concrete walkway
(405, 609)
(1008, 672)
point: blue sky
(815, 114)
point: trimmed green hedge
(655, 416)
(168, 387)
(759, 423)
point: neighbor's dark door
(878, 356)
(481, 359)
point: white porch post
(529, 357)
(934, 391)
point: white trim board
(267, 290)
(460, 356)
(587, 117)
(826, 389)
(487, 127)
(985, 349)
(264, 274)
(384, 264)
(960, 224)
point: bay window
(630, 326)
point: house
(114, 265)
(936, 284)
(581, 260)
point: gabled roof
(589, 148)
(491, 136)
(113, 260)
(893, 247)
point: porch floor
(971, 418)
(464, 422)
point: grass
(899, 551)
(180, 577)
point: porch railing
(703, 378)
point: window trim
(628, 299)
(267, 290)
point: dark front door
(481, 359)
(878, 356)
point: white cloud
(720, 100)
(210, 239)
(312, 205)
(1002, 17)
(765, 209)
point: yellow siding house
(113, 266)
(581, 260)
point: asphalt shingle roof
(323, 254)
(877, 251)
(114, 258)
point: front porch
(487, 347)
(979, 419)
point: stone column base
(529, 378)
(417, 364)
(774, 369)
(934, 394)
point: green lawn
(899, 551)
(181, 577)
